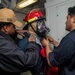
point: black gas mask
(41, 30)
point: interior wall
(56, 12)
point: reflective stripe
(25, 23)
(31, 20)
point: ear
(74, 19)
(5, 28)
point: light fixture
(25, 3)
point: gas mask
(41, 30)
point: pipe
(13, 4)
(22, 12)
(6, 2)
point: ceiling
(12, 5)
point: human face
(69, 23)
(9, 29)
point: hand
(45, 42)
(32, 38)
(52, 41)
(21, 32)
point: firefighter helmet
(32, 16)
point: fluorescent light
(25, 3)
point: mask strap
(33, 29)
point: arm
(60, 55)
(21, 32)
(14, 60)
(45, 43)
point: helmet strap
(33, 29)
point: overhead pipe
(13, 4)
(22, 12)
(6, 2)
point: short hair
(71, 11)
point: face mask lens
(41, 28)
(41, 24)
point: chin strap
(33, 29)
